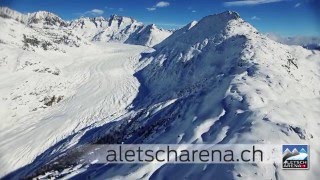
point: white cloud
(255, 18)
(109, 8)
(95, 12)
(162, 4)
(151, 9)
(194, 11)
(249, 2)
(297, 5)
(120, 9)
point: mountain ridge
(112, 29)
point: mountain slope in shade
(215, 81)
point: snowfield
(95, 84)
(214, 81)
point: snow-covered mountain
(148, 35)
(221, 81)
(115, 28)
(9, 13)
(119, 29)
(41, 18)
(214, 81)
(41, 30)
(45, 19)
(112, 29)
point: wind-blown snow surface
(214, 81)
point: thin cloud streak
(250, 2)
(151, 9)
(297, 5)
(255, 18)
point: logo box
(295, 156)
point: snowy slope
(48, 95)
(115, 28)
(214, 81)
(221, 81)
(233, 85)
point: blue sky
(282, 17)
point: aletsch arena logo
(295, 157)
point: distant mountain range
(112, 29)
(308, 42)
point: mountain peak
(114, 16)
(214, 27)
(43, 15)
(152, 26)
(221, 17)
(230, 14)
(121, 19)
(47, 18)
(99, 18)
(118, 17)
